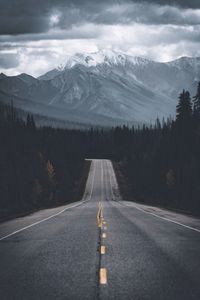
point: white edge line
(163, 218)
(38, 222)
(102, 181)
(52, 216)
(92, 181)
(111, 189)
(155, 215)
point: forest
(161, 164)
(39, 167)
(156, 164)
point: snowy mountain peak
(103, 56)
(107, 84)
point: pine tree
(196, 103)
(184, 108)
(170, 178)
(30, 122)
(28, 118)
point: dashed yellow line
(100, 223)
(103, 249)
(100, 215)
(103, 276)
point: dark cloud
(35, 16)
(179, 3)
(81, 32)
(43, 31)
(142, 13)
(9, 60)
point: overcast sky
(37, 35)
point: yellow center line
(100, 215)
(103, 249)
(103, 276)
(104, 235)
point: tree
(30, 122)
(37, 191)
(184, 107)
(196, 103)
(50, 171)
(170, 178)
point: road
(100, 248)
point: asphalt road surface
(100, 248)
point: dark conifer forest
(39, 167)
(44, 167)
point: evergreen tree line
(162, 164)
(41, 167)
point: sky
(38, 35)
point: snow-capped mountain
(108, 85)
(105, 57)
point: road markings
(103, 276)
(104, 235)
(38, 222)
(163, 218)
(150, 213)
(102, 181)
(91, 191)
(54, 215)
(100, 215)
(103, 249)
(111, 187)
(101, 223)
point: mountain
(105, 87)
(27, 87)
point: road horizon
(101, 248)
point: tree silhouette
(184, 107)
(196, 103)
(50, 171)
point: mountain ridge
(109, 84)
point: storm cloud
(46, 31)
(33, 16)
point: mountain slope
(168, 78)
(28, 87)
(107, 86)
(110, 94)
